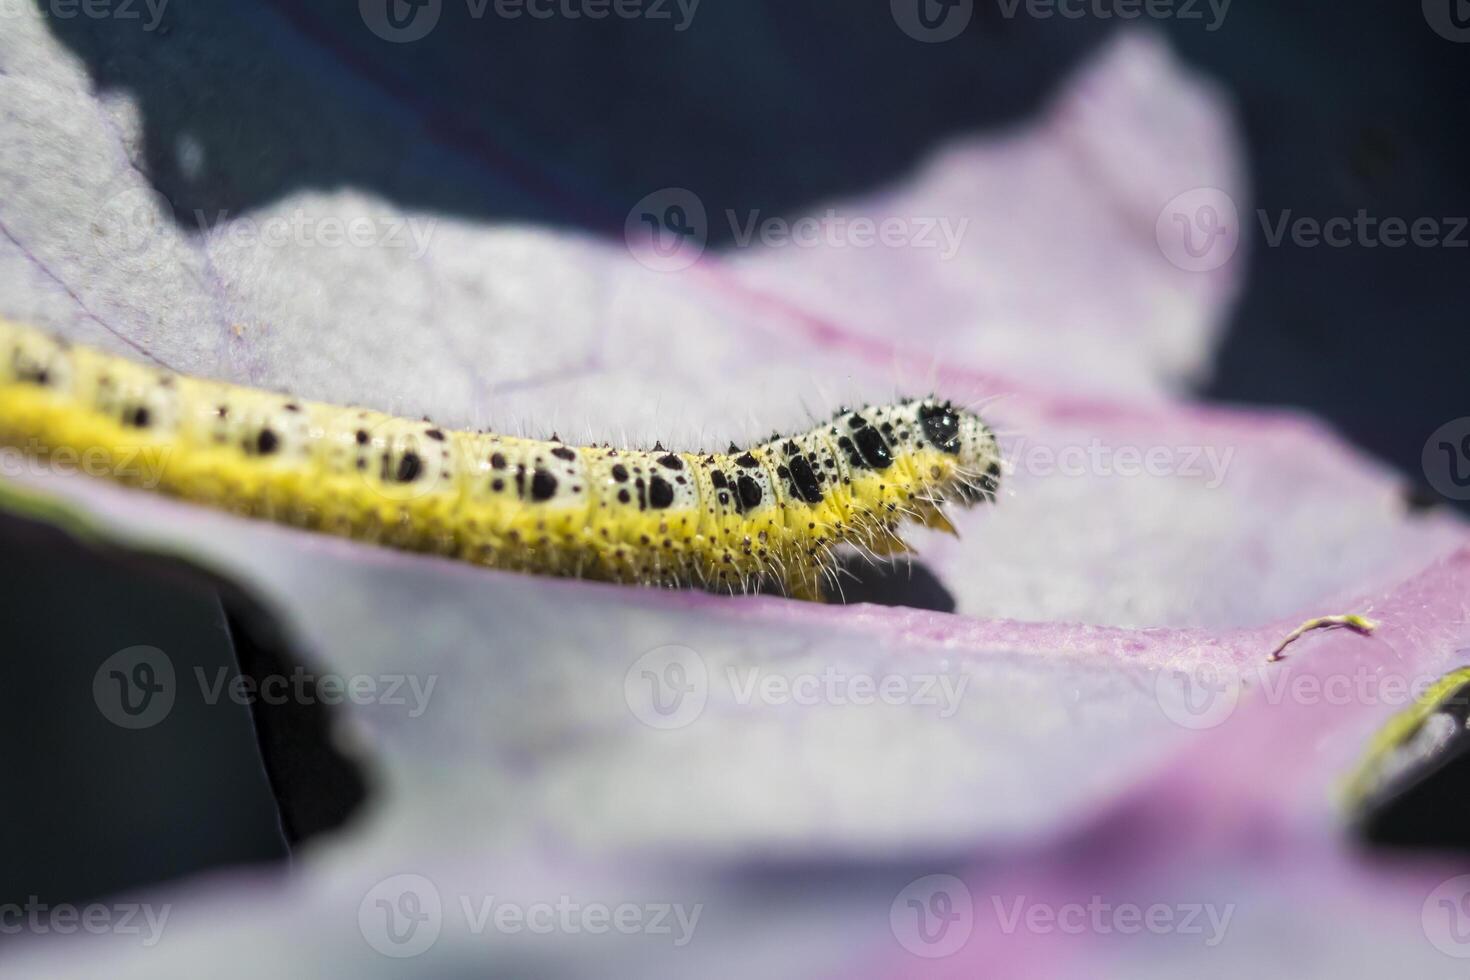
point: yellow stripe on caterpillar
(727, 521)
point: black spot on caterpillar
(774, 512)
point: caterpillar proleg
(773, 512)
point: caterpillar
(1407, 746)
(769, 514)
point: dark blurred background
(758, 103)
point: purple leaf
(1041, 744)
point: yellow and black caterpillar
(726, 521)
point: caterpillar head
(964, 435)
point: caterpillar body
(728, 521)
